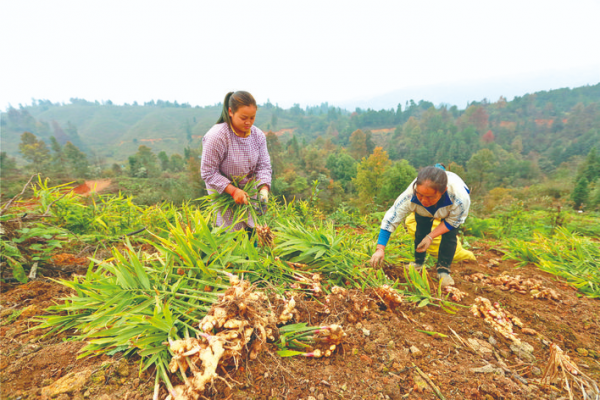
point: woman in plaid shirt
(235, 148)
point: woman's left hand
(424, 245)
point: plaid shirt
(226, 155)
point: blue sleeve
(384, 237)
(450, 227)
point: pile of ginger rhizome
(237, 327)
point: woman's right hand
(377, 258)
(239, 196)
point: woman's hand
(239, 196)
(378, 256)
(424, 245)
(263, 196)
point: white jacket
(454, 209)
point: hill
(558, 124)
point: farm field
(404, 338)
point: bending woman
(235, 148)
(435, 194)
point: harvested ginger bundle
(501, 320)
(266, 238)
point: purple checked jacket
(226, 156)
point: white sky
(306, 52)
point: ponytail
(235, 100)
(225, 111)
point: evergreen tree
(580, 193)
(591, 170)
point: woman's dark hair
(434, 178)
(235, 100)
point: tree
(479, 167)
(116, 169)
(275, 150)
(34, 150)
(369, 143)
(591, 169)
(147, 160)
(580, 193)
(164, 160)
(488, 137)
(274, 121)
(395, 180)
(198, 188)
(342, 168)
(358, 144)
(7, 164)
(57, 158)
(76, 160)
(176, 163)
(369, 176)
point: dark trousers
(447, 246)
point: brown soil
(377, 361)
(89, 186)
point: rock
(370, 347)
(415, 351)
(69, 383)
(122, 368)
(488, 369)
(366, 332)
(536, 371)
(392, 391)
(492, 341)
(478, 335)
(480, 346)
(582, 352)
(523, 350)
(99, 377)
(391, 344)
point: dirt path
(376, 362)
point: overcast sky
(304, 52)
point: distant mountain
(462, 93)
